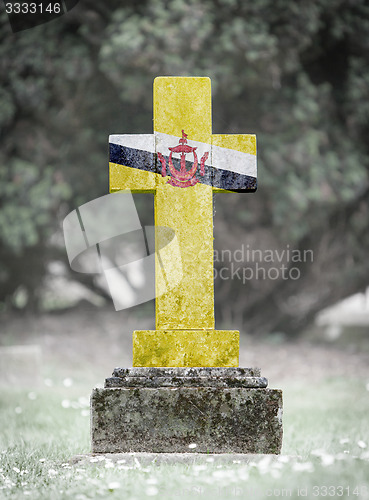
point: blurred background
(294, 73)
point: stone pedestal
(165, 410)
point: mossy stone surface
(186, 377)
(168, 420)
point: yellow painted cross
(183, 163)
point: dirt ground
(86, 343)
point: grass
(325, 451)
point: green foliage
(31, 199)
(294, 73)
(267, 64)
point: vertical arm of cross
(184, 104)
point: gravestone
(185, 390)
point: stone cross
(183, 163)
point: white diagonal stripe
(234, 161)
(142, 142)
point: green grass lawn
(325, 451)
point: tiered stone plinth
(221, 410)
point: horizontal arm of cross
(137, 162)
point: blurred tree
(296, 74)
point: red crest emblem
(183, 177)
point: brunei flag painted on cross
(176, 151)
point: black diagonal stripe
(130, 157)
(233, 181)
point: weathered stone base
(214, 417)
